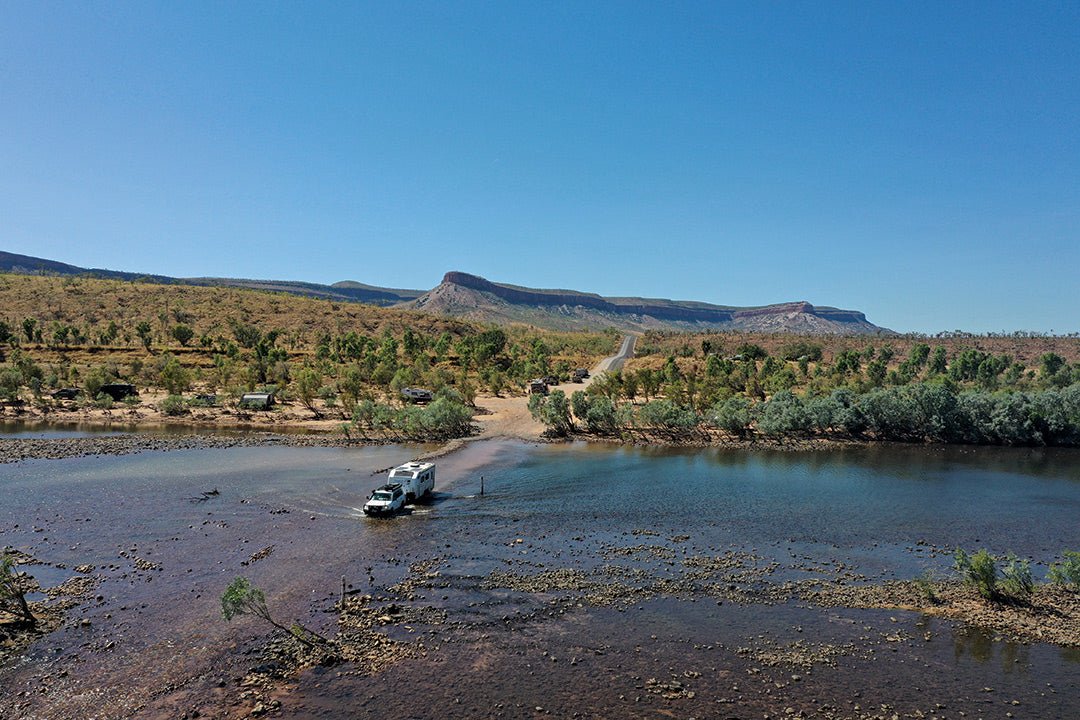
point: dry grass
(91, 305)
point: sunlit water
(875, 510)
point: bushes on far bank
(917, 412)
(447, 416)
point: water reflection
(1071, 654)
(982, 644)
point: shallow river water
(149, 640)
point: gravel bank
(18, 450)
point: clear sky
(918, 162)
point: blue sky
(918, 162)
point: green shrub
(750, 351)
(173, 405)
(1067, 572)
(553, 411)
(978, 570)
(103, 401)
(1017, 580)
(927, 584)
(732, 415)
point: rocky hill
(346, 291)
(468, 296)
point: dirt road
(509, 416)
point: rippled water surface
(155, 645)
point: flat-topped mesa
(463, 295)
(803, 307)
(664, 310)
(530, 296)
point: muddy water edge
(585, 582)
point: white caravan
(417, 479)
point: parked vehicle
(580, 374)
(417, 479)
(385, 500)
(538, 387)
(417, 395)
(66, 394)
(256, 401)
(119, 391)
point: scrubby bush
(783, 413)
(731, 415)
(94, 379)
(751, 351)
(173, 405)
(10, 381)
(927, 584)
(1067, 572)
(183, 334)
(552, 410)
(579, 404)
(667, 415)
(795, 350)
(171, 375)
(978, 570)
(447, 415)
(600, 417)
(1016, 577)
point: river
(643, 641)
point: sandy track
(509, 416)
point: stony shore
(20, 449)
(369, 637)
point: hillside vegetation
(1016, 390)
(344, 357)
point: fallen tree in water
(13, 590)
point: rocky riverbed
(412, 619)
(21, 449)
(535, 599)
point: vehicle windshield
(381, 496)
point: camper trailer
(417, 479)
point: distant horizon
(421, 289)
(918, 163)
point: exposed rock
(468, 296)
